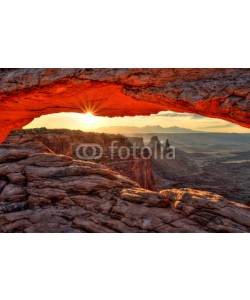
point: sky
(89, 122)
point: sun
(88, 118)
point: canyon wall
(44, 192)
(29, 93)
(63, 141)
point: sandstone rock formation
(63, 141)
(211, 211)
(29, 93)
(44, 192)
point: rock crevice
(55, 193)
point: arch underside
(26, 94)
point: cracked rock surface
(41, 191)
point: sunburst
(88, 118)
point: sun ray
(88, 118)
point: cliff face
(44, 192)
(62, 141)
(29, 93)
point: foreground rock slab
(44, 192)
(63, 141)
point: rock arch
(29, 93)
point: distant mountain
(146, 129)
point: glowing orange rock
(29, 93)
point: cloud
(218, 126)
(169, 114)
(193, 116)
(180, 115)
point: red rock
(62, 141)
(29, 93)
(60, 194)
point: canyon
(44, 187)
(65, 142)
(45, 192)
(200, 167)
